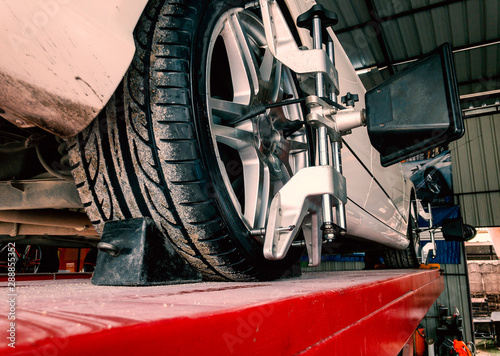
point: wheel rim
(414, 235)
(432, 183)
(256, 156)
(31, 259)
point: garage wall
(476, 171)
(334, 266)
(456, 294)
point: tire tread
(141, 158)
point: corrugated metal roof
(402, 30)
(476, 168)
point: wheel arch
(77, 53)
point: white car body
(63, 59)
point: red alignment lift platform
(323, 313)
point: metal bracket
(306, 63)
(300, 197)
(349, 119)
(430, 249)
(337, 122)
(310, 228)
(307, 197)
(420, 210)
(322, 115)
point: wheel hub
(267, 139)
(266, 135)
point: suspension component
(63, 151)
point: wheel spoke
(227, 110)
(271, 77)
(267, 66)
(298, 146)
(242, 63)
(233, 137)
(287, 171)
(257, 184)
(275, 82)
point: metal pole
(323, 139)
(431, 232)
(331, 55)
(336, 148)
(317, 44)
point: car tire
(436, 183)
(50, 260)
(161, 149)
(409, 257)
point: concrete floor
(486, 347)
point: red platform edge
(375, 318)
(46, 276)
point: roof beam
(491, 94)
(379, 34)
(479, 111)
(468, 47)
(396, 16)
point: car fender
(63, 59)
